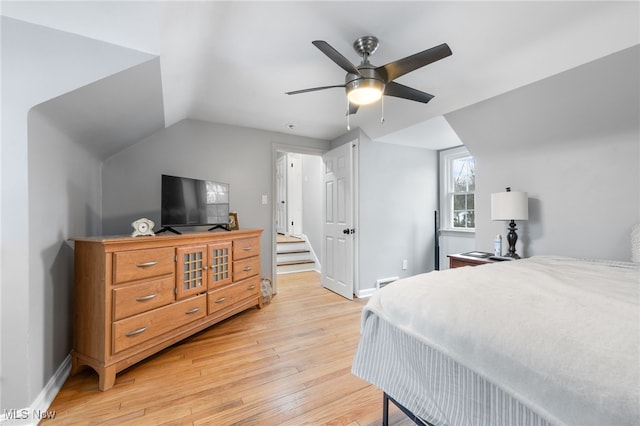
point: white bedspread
(561, 335)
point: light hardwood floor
(286, 364)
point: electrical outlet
(404, 264)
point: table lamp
(512, 206)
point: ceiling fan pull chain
(348, 117)
(382, 107)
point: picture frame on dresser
(233, 221)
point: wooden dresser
(136, 296)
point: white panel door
(281, 195)
(337, 268)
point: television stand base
(225, 227)
(169, 229)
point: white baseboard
(39, 409)
(367, 292)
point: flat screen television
(193, 202)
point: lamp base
(512, 238)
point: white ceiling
(232, 62)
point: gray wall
(572, 141)
(398, 194)
(583, 197)
(239, 156)
(39, 64)
(64, 201)
(397, 197)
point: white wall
(239, 156)
(39, 64)
(572, 141)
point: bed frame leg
(385, 412)
(385, 409)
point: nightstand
(460, 260)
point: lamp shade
(509, 205)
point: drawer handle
(248, 248)
(247, 268)
(147, 264)
(148, 297)
(192, 311)
(136, 332)
(222, 299)
(251, 287)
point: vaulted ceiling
(232, 62)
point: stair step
(300, 245)
(282, 261)
(295, 256)
(282, 239)
(293, 251)
(291, 267)
(295, 262)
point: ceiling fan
(367, 83)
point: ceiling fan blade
(313, 89)
(400, 91)
(336, 56)
(395, 69)
(353, 108)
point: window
(458, 187)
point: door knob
(345, 231)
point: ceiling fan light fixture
(364, 91)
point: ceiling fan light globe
(364, 95)
(364, 91)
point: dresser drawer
(220, 299)
(246, 268)
(246, 247)
(138, 264)
(137, 298)
(142, 327)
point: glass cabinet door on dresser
(220, 264)
(191, 271)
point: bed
(535, 342)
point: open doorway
(297, 210)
